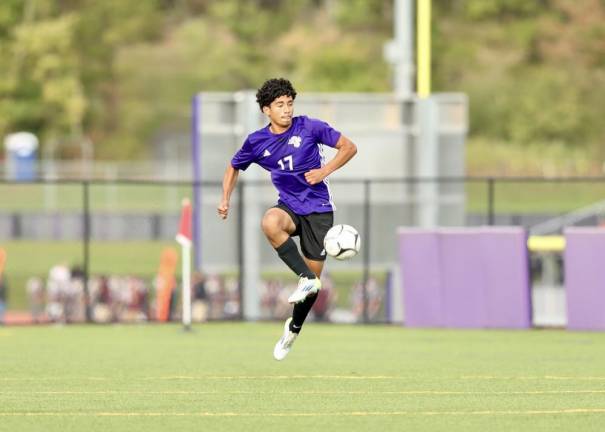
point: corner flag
(184, 235)
(184, 239)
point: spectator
(3, 294)
(283, 308)
(374, 300)
(101, 310)
(216, 296)
(269, 297)
(59, 278)
(231, 289)
(35, 294)
(3, 287)
(141, 296)
(199, 298)
(135, 299)
(73, 300)
(325, 299)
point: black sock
(289, 254)
(301, 310)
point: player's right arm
(242, 160)
(229, 182)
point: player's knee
(271, 223)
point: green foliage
(10, 14)
(373, 15)
(528, 68)
(59, 55)
(121, 72)
(545, 106)
(498, 9)
(43, 78)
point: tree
(41, 87)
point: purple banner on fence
(506, 266)
(467, 277)
(585, 278)
(463, 279)
(420, 251)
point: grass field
(221, 377)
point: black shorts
(312, 229)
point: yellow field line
(276, 377)
(58, 378)
(307, 414)
(212, 377)
(308, 392)
(534, 378)
(307, 377)
(362, 377)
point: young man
(290, 148)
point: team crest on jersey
(295, 141)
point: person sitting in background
(35, 294)
(269, 296)
(231, 287)
(102, 311)
(199, 297)
(59, 277)
(3, 294)
(325, 299)
(374, 300)
(216, 296)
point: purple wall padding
(463, 279)
(585, 278)
(507, 276)
(467, 277)
(419, 251)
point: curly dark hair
(272, 89)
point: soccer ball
(342, 242)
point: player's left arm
(346, 150)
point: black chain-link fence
(72, 251)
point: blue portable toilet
(21, 156)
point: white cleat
(284, 344)
(305, 288)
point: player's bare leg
(278, 226)
(315, 266)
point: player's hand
(223, 209)
(315, 176)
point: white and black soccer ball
(342, 242)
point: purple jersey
(288, 156)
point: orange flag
(166, 283)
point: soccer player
(290, 148)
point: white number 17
(286, 159)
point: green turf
(222, 377)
